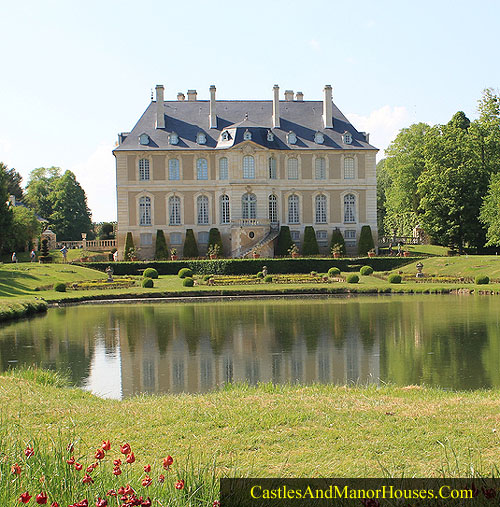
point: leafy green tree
(490, 212)
(161, 250)
(70, 215)
(190, 247)
(383, 185)
(310, 245)
(40, 185)
(284, 242)
(105, 230)
(26, 227)
(14, 180)
(6, 216)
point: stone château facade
(246, 167)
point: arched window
(350, 208)
(293, 169)
(348, 168)
(202, 169)
(144, 211)
(273, 209)
(320, 209)
(272, 168)
(293, 209)
(249, 206)
(223, 169)
(248, 167)
(174, 210)
(320, 168)
(202, 205)
(143, 169)
(173, 169)
(225, 217)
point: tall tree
(70, 215)
(14, 180)
(383, 186)
(40, 185)
(6, 217)
(26, 227)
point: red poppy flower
(167, 462)
(216, 503)
(83, 503)
(121, 490)
(101, 502)
(70, 447)
(130, 458)
(25, 497)
(29, 451)
(41, 498)
(99, 454)
(147, 468)
(125, 449)
(128, 489)
(111, 492)
(70, 461)
(117, 471)
(179, 484)
(78, 466)
(90, 469)
(147, 481)
(87, 479)
(161, 478)
(117, 462)
(106, 445)
(16, 469)
(147, 502)
(54, 504)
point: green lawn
(460, 266)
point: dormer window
(292, 138)
(319, 138)
(173, 138)
(201, 138)
(225, 135)
(144, 139)
(270, 136)
(347, 138)
(247, 136)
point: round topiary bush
(394, 278)
(185, 272)
(260, 274)
(207, 277)
(60, 287)
(268, 279)
(482, 280)
(366, 270)
(352, 278)
(188, 282)
(333, 272)
(150, 273)
(147, 283)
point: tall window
(248, 167)
(174, 210)
(293, 169)
(273, 209)
(320, 208)
(225, 217)
(348, 168)
(202, 205)
(320, 168)
(293, 209)
(143, 169)
(202, 169)
(249, 206)
(272, 168)
(173, 169)
(349, 208)
(223, 169)
(144, 211)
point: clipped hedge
(394, 278)
(185, 272)
(366, 270)
(150, 273)
(268, 279)
(333, 272)
(188, 282)
(147, 283)
(60, 287)
(352, 278)
(482, 280)
(310, 243)
(253, 266)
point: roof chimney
(289, 95)
(213, 113)
(192, 95)
(160, 108)
(181, 97)
(328, 107)
(276, 106)
(299, 96)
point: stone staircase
(271, 236)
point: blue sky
(74, 74)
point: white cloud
(315, 44)
(97, 177)
(383, 125)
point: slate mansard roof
(188, 118)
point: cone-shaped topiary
(190, 247)
(129, 247)
(337, 241)
(310, 245)
(365, 240)
(214, 238)
(284, 242)
(161, 250)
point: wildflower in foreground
(71, 461)
(147, 481)
(106, 446)
(41, 498)
(87, 479)
(147, 468)
(167, 462)
(146, 503)
(25, 497)
(78, 466)
(101, 502)
(99, 454)
(16, 469)
(179, 484)
(125, 449)
(54, 504)
(29, 451)
(130, 458)
(117, 471)
(216, 503)
(117, 462)
(161, 478)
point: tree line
(446, 179)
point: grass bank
(21, 308)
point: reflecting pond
(122, 349)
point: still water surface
(123, 349)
